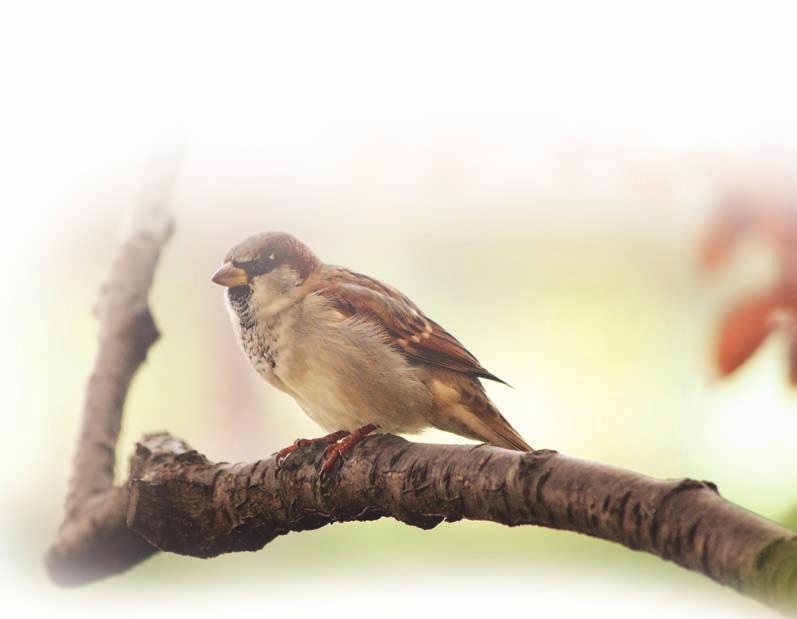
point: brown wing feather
(414, 334)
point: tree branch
(92, 540)
(176, 500)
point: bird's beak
(230, 276)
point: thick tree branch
(182, 503)
(178, 501)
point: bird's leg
(340, 447)
(329, 439)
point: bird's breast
(342, 372)
(264, 347)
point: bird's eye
(259, 266)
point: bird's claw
(339, 448)
(283, 453)
(329, 439)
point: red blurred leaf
(743, 330)
(793, 361)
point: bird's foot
(340, 447)
(329, 439)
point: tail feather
(497, 431)
(462, 407)
(487, 422)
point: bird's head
(267, 271)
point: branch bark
(176, 500)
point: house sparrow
(356, 354)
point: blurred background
(587, 196)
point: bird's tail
(472, 414)
(496, 430)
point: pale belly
(344, 376)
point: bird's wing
(410, 331)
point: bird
(356, 354)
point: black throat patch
(239, 301)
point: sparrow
(356, 354)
